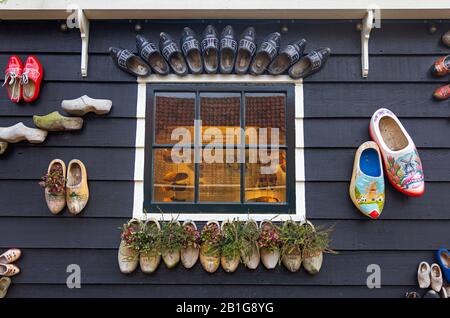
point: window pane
(173, 182)
(265, 110)
(174, 110)
(220, 115)
(265, 182)
(220, 179)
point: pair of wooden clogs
(71, 188)
(392, 145)
(8, 269)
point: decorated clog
(10, 256)
(228, 49)
(151, 55)
(13, 76)
(442, 93)
(443, 259)
(246, 50)
(32, 75)
(288, 56)
(172, 54)
(9, 270)
(267, 51)
(128, 62)
(401, 160)
(367, 184)
(441, 67)
(210, 49)
(192, 51)
(309, 64)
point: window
(219, 148)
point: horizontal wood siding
(338, 104)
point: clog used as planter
(149, 259)
(270, 256)
(210, 49)
(230, 262)
(442, 93)
(151, 55)
(10, 256)
(367, 184)
(436, 278)
(228, 50)
(82, 105)
(55, 192)
(128, 62)
(424, 275)
(56, 122)
(192, 51)
(265, 54)
(309, 64)
(443, 259)
(128, 255)
(32, 75)
(13, 76)
(190, 253)
(401, 160)
(77, 190)
(251, 256)
(312, 259)
(292, 259)
(5, 282)
(446, 38)
(3, 147)
(172, 54)
(292, 237)
(20, 132)
(441, 67)
(210, 252)
(171, 257)
(9, 270)
(246, 50)
(288, 56)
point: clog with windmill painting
(401, 160)
(367, 184)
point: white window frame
(138, 202)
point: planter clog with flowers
(77, 189)
(191, 244)
(292, 237)
(128, 256)
(54, 183)
(269, 244)
(211, 238)
(367, 184)
(149, 246)
(230, 246)
(316, 242)
(172, 234)
(401, 159)
(249, 244)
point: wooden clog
(9, 270)
(210, 259)
(191, 50)
(5, 282)
(401, 160)
(265, 54)
(246, 50)
(292, 259)
(13, 79)
(424, 275)
(10, 256)
(85, 104)
(210, 49)
(128, 62)
(56, 201)
(229, 263)
(151, 55)
(3, 147)
(367, 183)
(56, 122)
(309, 64)
(446, 38)
(442, 93)
(441, 67)
(149, 259)
(190, 254)
(288, 56)
(20, 132)
(251, 257)
(228, 49)
(269, 257)
(77, 190)
(128, 257)
(436, 277)
(172, 54)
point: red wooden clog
(442, 93)
(13, 76)
(31, 79)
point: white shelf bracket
(367, 26)
(83, 24)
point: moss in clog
(56, 122)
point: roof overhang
(226, 9)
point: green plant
(172, 235)
(248, 237)
(191, 237)
(150, 238)
(316, 240)
(293, 236)
(269, 237)
(230, 246)
(211, 237)
(131, 234)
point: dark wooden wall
(338, 106)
